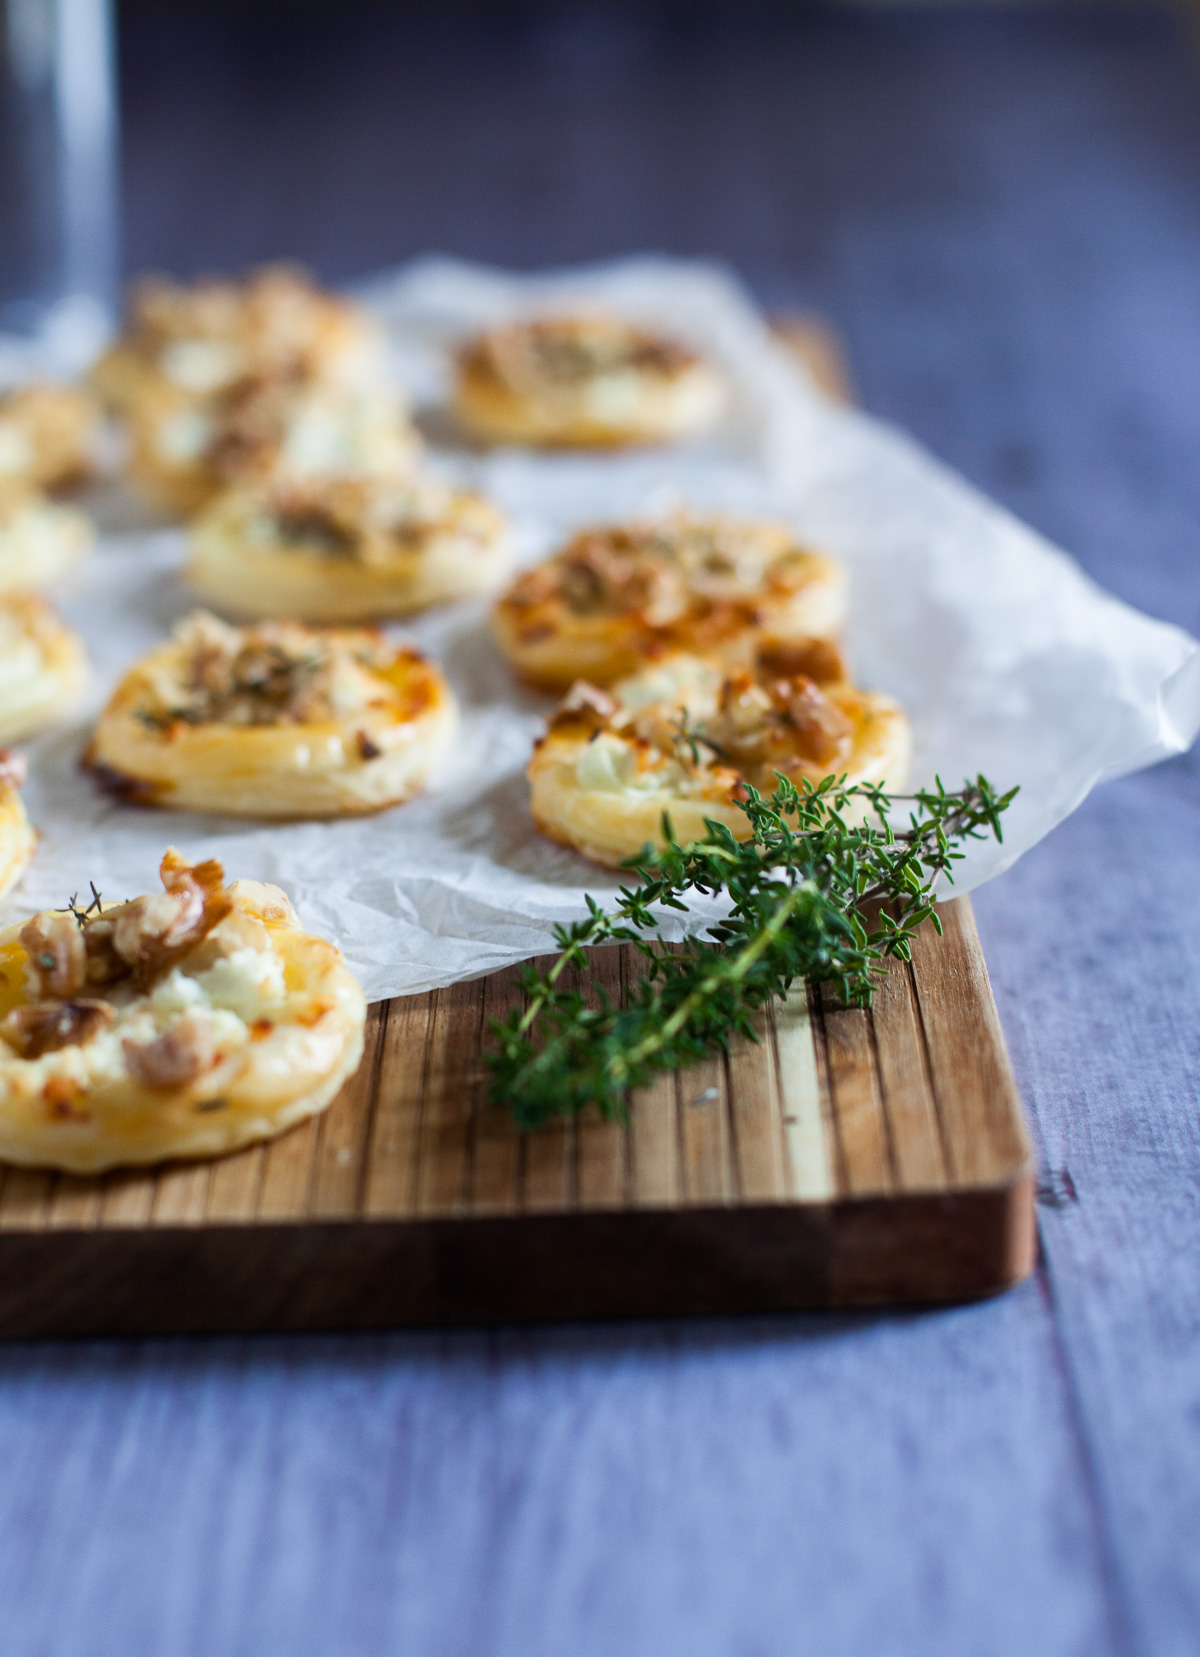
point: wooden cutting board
(848, 1158)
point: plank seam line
(948, 1157)
(885, 1111)
(816, 1014)
(627, 1172)
(734, 1151)
(478, 1103)
(418, 1135)
(781, 1135)
(1118, 1616)
(368, 1129)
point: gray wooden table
(1002, 213)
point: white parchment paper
(1007, 658)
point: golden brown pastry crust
(277, 721)
(43, 668)
(685, 736)
(185, 451)
(203, 338)
(18, 842)
(48, 436)
(584, 381)
(619, 594)
(347, 550)
(40, 540)
(186, 1024)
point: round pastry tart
(43, 667)
(273, 721)
(593, 381)
(347, 549)
(18, 842)
(184, 1024)
(619, 594)
(40, 540)
(186, 450)
(204, 338)
(685, 735)
(48, 436)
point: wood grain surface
(846, 1157)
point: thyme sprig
(825, 888)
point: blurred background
(998, 208)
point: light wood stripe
(810, 1165)
(707, 1160)
(343, 1133)
(857, 1101)
(390, 1185)
(495, 1148)
(601, 1155)
(654, 1145)
(913, 1096)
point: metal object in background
(58, 168)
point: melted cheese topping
(203, 339)
(255, 1027)
(620, 594)
(185, 450)
(43, 668)
(279, 720)
(40, 541)
(48, 435)
(347, 549)
(686, 735)
(594, 380)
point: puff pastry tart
(17, 839)
(619, 594)
(184, 1024)
(593, 381)
(683, 737)
(48, 436)
(43, 667)
(347, 549)
(207, 337)
(40, 540)
(184, 450)
(273, 721)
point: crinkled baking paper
(1008, 659)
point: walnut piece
(141, 940)
(150, 934)
(47, 1026)
(13, 769)
(57, 955)
(184, 1051)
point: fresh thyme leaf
(812, 895)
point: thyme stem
(824, 888)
